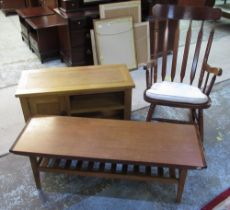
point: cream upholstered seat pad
(176, 92)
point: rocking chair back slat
(186, 52)
(175, 53)
(197, 53)
(165, 51)
(210, 85)
(206, 55)
(155, 55)
(206, 82)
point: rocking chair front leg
(193, 115)
(150, 112)
(201, 124)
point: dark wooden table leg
(182, 178)
(34, 166)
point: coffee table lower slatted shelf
(108, 170)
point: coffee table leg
(34, 166)
(182, 178)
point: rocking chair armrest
(214, 70)
(149, 67)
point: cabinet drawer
(78, 54)
(78, 37)
(33, 42)
(24, 29)
(81, 56)
(78, 23)
(25, 39)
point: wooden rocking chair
(180, 94)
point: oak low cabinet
(92, 91)
(99, 105)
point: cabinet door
(48, 105)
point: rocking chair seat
(176, 92)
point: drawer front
(68, 6)
(76, 24)
(33, 42)
(78, 55)
(82, 55)
(25, 39)
(24, 30)
(79, 37)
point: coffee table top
(112, 140)
(76, 79)
(34, 12)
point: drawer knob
(79, 22)
(88, 52)
(72, 4)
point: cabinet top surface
(34, 12)
(46, 21)
(112, 140)
(74, 79)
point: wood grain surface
(67, 79)
(112, 140)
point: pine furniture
(97, 91)
(111, 149)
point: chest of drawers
(75, 44)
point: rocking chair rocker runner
(182, 95)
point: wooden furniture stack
(91, 91)
(74, 43)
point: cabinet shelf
(109, 114)
(96, 102)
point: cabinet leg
(34, 166)
(182, 178)
(128, 103)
